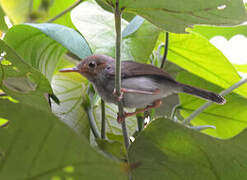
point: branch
(223, 93)
(65, 11)
(102, 119)
(165, 51)
(118, 15)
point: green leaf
(133, 26)
(42, 45)
(142, 42)
(67, 37)
(176, 16)
(36, 145)
(198, 56)
(3, 26)
(167, 150)
(227, 32)
(98, 27)
(229, 119)
(21, 81)
(241, 67)
(114, 148)
(17, 11)
(69, 88)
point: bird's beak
(74, 69)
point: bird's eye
(92, 65)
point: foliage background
(42, 142)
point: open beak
(74, 69)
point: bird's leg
(127, 90)
(155, 104)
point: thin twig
(165, 51)
(102, 119)
(65, 11)
(118, 15)
(207, 104)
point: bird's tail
(203, 94)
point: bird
(142, 85)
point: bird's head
(92, 66)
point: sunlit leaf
(17, 11)
(227, 32)
(229, 119)
(69, 88)
(197, 55)
(98, 27)
(241, 67)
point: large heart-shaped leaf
(36, 145)
(175, 16)
(197, 55)
(98, 27)
(167, 150)
(229, 119)
(69, 88)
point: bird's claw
(120, 119)
(120, 97)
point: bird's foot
(120, 119)
(155, 104)
(118, 97)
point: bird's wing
(133, 69)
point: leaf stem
(118, 15)
(165, 51)
(103, 119)
(65, 11)
(92, 122)
(207, 104)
